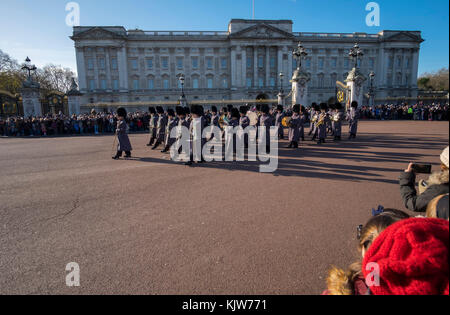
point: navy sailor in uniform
(122, 135)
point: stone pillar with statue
(31, 92)
(355, 78)
(300, 78)
(74, 99)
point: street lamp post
(183, 96)
(356, 53)
(29, 68)
(372, 91)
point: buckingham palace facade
(116, 65)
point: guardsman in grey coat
(302, 122)
(266, 120)
(322, 123)
(214, 121)
(160, 127)
(171, 123)
(314, 122)
(279, 121)
(183, 121)
(122, 135)
(312, 116)
(152, 125)
(294, 128)
(352, 117)
(337, 121)
(244, 122)
(198, 124)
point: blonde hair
(340, 282)
(432, 207)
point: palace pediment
(97, 33)
(404, 37)
(262, 31)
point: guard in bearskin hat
(183, 121)
(279, 121)
(294, 127)
(302, 122)
(172, 122)
(160, 127)
(315, 112)
(198, 124)
(322, 123)
(267, 121)
(244, 122)
(122, 135)
(352, 117)
(337, 121)
(152, 125)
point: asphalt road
(149, 226)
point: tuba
(286, 122)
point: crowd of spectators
(432, 112)
(60, 125)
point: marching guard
(171, 123)
(122, 135)
(279, 121)
(314, 119)
(152, 125)
(302, 122)
(352, 118)
(337, 122)
(294, 127)
(322, 123)
(160, 127)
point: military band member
(294, 127)
(244, 122)
(322, 123)
(214, 117)
(279, 121)
(266, 120)
(183, 121)
(352, 118)
(122, 135)
(198, 124)
(160, 127)
(302, 122)
(330, 127)
(172, 122)
(314, 119)
(337, 122)
(152, 125)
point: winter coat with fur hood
(435, 186)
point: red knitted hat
(412, 256)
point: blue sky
(38, 28)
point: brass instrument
(321, 120)
(286, 122)
(224, 121)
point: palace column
(244, 65)
(81, 66)
(415, 67)
(108, 69)
(267, 65)
(255, 66)
(123, 68)
(233, 67)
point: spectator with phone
(436, 185)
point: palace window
(407, 62)
(92, 85)
(346, 63)
(114, 63)
(209, 63)
(151, 84)
(399, 62)
(179, 63)
(165, 63)
(115, 84)
(134, 64)
(195, 83)
(209, 82)
(166, 84)
(261, 82)
(272, 82)
(195, 63)
(249, 62)
(308, 63)
(135, 84)
(149, 64)
(225, 83)
(261, 62)
(101, 63)
(103, 84)
(249, 82)
(333, 63)
(321, 63)
(224, 63)
(272, 63)
(90, 64)
(371, 63)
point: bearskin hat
(280, 108)
(323, 106)
(179, 110)
(121, 112)
(197, 110)
(243, 109)
(214, 109)
(187, 111)
(230, 107)
(160, 110)
(338, 106)
(235, 113)
(302, 109)
(354, 104)
(332, 106)
(296, 109)
(258, 107)
(151, 110)
(265, 109)
(170, 112)
(316, 107)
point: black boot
(152, 141)
(166, 149)
(290, 145)
(156, 145)
(118, 155)
(295, 145)
(127, 154)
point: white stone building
(244, 62)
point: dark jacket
(437, 185)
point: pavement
(150, 226)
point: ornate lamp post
(183, 96)
(281, 93)
(29, 67)
(299, 54)
(356, 53)
(372, 91)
